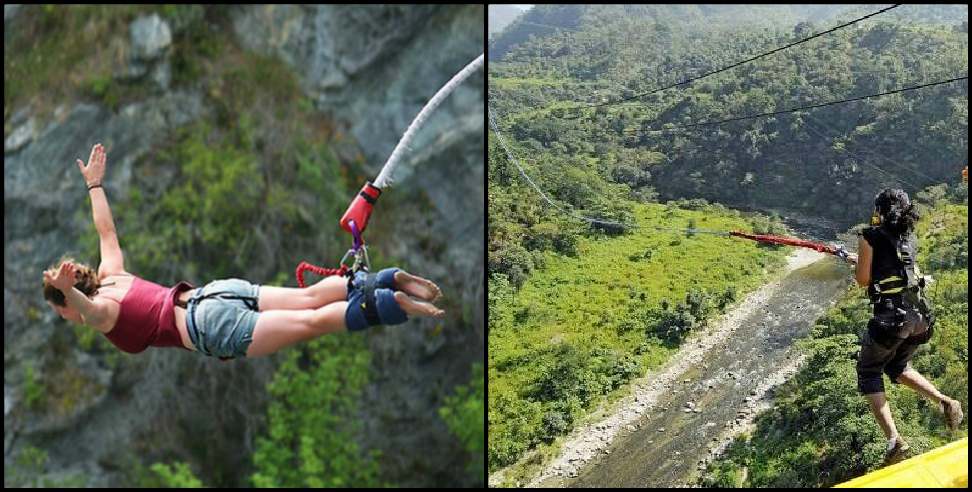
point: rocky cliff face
(370, 69)
(373, 69)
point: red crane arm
(787, 241)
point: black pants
(892, 337)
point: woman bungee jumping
(225, 318)
(902, 318)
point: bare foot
(417, 286)
(417, 308)
(953, 413)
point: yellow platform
(947, 466)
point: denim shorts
(221, 317)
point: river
(665, 432)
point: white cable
(384, 178)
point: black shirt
(884, 260)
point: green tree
(312, 421)
(464, 413)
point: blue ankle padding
(354, 318)
(386, 278)
(389, 312)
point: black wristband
(94, 186)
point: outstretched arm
(863, 271)
(112, 261)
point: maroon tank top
(146, 318)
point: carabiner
(361, 260)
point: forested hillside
(826, 162)
(501, 16)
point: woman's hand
(112, 261)
(64, 279)
(94, 172)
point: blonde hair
(87, 281)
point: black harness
(896, 288)
(368, 303)
(900, 274)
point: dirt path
(670, 425)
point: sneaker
(953, 413)
(896, 453)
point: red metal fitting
(360, 209)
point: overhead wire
(592, 220)
(734, 65)
(801, 108)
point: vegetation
(176, 475)
(500, 16)
(551, 20)
(31, 463)
(313, 420)
(584, 325)
(59, 52)
(34, 391)
(821, 162)
(464, 413)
